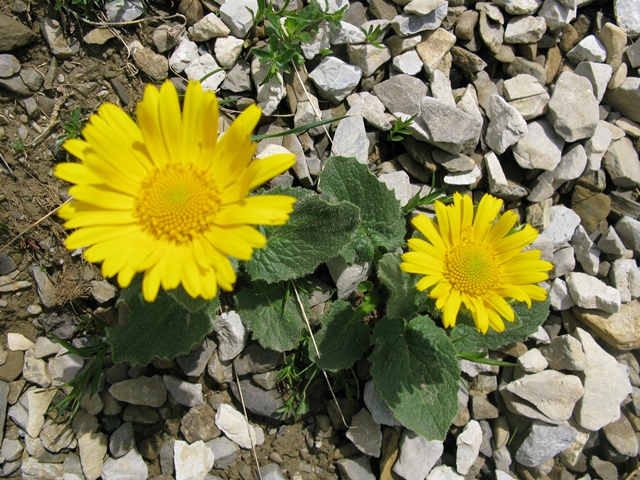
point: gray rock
(228, 50)
(372, 109)
(447, 127)
(622, 164)
(628, 16)
(15, 85)
(368, 57)
(548, 392)
(625, 277)
(399, 184)
(589, 49)
(573, 109)
(621, 437)
(129, 467)
(237, 15)
(586, 252)
(9, 65)
(270, 93)
(93, 447)
(54, 36)
(256, 359)
(626, 98)
(468, 443)
(562, 225)
(38, 401)
(589, 292)
(4, 396)
(64, 367)
(598, 74)
(238, 79)
(557, 14)
(540, 148)
(194, 363)
(199, 424)
(564, 261)
(143, 390)
(350, 139)
(192, 461)
(525, 29)
(166, 36)
(565, 353)
(506, 125)
(401, 93)
(272, 471)
(46, 289)
(378, 408)
(257, 400)
(544, 442)
(155, 66)
(417, 456)
(531, 361)
(14, 34)
(35, 370)
(633, 54)
(203, 65)
(610, 243)
(365, 433)
(346, 33)
(628, 230)
(347, 277)
(210, 26)
(32, 469)
(356, 468)
(606, 385)
(406, 25)
(335, 79)
(11, 449)
(232, 335)
(183, 55)
(122, 440)
(433, 48)
(123, 10)
(183, 392)
(408, 62)
(224, 452)
(235, 427)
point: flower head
(167, 197)
(476, 262)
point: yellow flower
(473, 260)
(167, 197)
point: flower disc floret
(166, 197)
(475, 261)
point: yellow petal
(264, 169)
(488, 209)
(171, 121)
(451, 309)
(148, 117)
(76, 173)
(430, 230)
(258, 210)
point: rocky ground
(536, 102)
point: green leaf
(161, 329)
(382, 225)
(404, 300)
(272, 314)
(343, 338)
(316, 231)
(187, 301)
(466, 338)
(415, 370)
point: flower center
(176, 203)
(472, 268)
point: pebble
(335, 79)
(93, 447)
(233, 424)
(122, 440)
(224, 451)
(194, 363)
(468, 446)
(129, 467)
(192, 461)
(265, 403)
(417, 456)
(232, 335)
(123, 10)
(150, 391)
(199, 424)
(365, 433)
(540, 148)
(356, 468)
(543, 442)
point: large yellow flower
(167, 197)
(475, 261)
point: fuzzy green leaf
(342, 340)
(161, 329)
(316, 231)
(382, 225)
(415, 370)
(466, 338)
(404, 300)
(272, 314)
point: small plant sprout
(374, 35)
(72, 127)
(399, 128)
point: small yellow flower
(167, 197)
(473, 260)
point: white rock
(525, 29)
(192, 462)
(270, 93)
(372, 109)
(562, 225)
(522, 86)
(597, 145)
(38, 401)
(625, 277)
(129, 467)
(232, 335)
(573, 109)
(185, 53)
(335, 79)
(468, 443)
(34, 370)
(183, 392)
(628, 229)
(444, 472)
(417, 456)
(540, 148)
(18, 342)
(234, 426)
(610, 243)
(408, 62)
(519, 7)
(544, 442)
(598, 74)
(45, 347)
(228, 50)
(368, 57)
(586, 252)
(532, 361)
(346, 34)
(347, 277)
(589, 292)
(627, 14)
(556, 14)
(210, 26)
(202, 66)
(64, 367)
(93, 447)
(589, 49)
(237, 17)
(406, 25)
(606, 385)
(506, 125)
(350, 139)
(365, 434)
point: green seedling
(374, 35)
(73, 127)
(399, 128)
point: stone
(401, 93)
(621, 436)
(14, 34)
(129, 467)
(93, 447)
(38, 401)
(46, 289)
(350, 139)
(54, 36)
(356, 468)
(227, 51)
(525, 29)
(371, 108)
(406, 25)
(544, 442)
(365, 433)
(591, 293)
(628, 229)
(123, 10)
(9, 65)
(399, 184)
(522, 86)
(625, 277)
(562, 225)
(210, 26)
(165, 37)
(627, 14)
(122, 440)
(610, 243)
(185, 53)
(586, 252)
(224, 451)
(238, 16)
(204, 65)
(64, 367)
(433, 48)
(335, 79)
(549, 396)
(233, 424)
(466, 60)
(540, 148)
(408, 62)
(599, 74)
(592, 208)
(347, 277)
(155, 66)
(57, 437)
(622, 164)
(265, 403)
(183, 392)
(531, 362)
(620, 329)
(589, 49)
(34, 470)
(417, 456)
(506, 125)
(192, 461)
(447, 127)
(573, 109)
(380, 411)
(606, 385)
(232, 335)
(625, 98)
(368, 57)
(468, 446)
(194, 363)
(143, 390)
